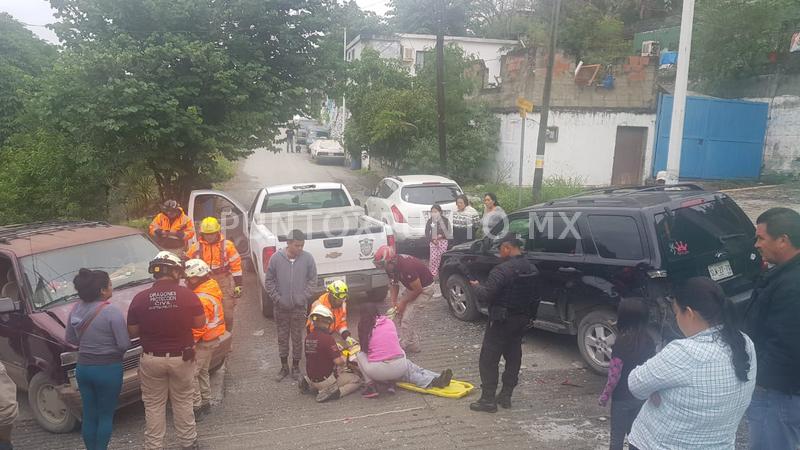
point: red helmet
(384, 255)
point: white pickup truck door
(231, 215)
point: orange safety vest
(181, 223)
(219, 260)
(339, 314)
(211, 297)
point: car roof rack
(11, 232)
(628, 190)
(396, 177)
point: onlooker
(493, 214)
(98, 329)
(771, 319)
(510, 292)
(325, 365)
(698, 387)
(437, 231)
(382, 359)
(632, 348)
(418, 283)
(466, 221)
(9, 409)
(163, 316)
(290, 281)
(289, 140)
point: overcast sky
(37, 13)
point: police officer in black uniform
(511, 294)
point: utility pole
(523, 118)
(679, 98)
(440, 106)
(344, 104)
(548, 83)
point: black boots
(504, 397)
(486, 403)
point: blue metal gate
(722, 139)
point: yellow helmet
(338, 289)
(210, 225)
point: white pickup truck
(342, 239)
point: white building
(415, 50)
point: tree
(176, 84)
(592, 35)
(417, 16)
(732, 39)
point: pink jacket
(384, 343)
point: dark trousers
(290, 324)
(623, 413)
(502, 338)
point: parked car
(317, 133)
(327, 150)
(341, 238)
(404, 202)
(37, 265)
(594, 249)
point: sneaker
(443, 380)
(295, 373)
(392, 389)
(329, 394)
(370, 391)
(283, 373)
(195, 446)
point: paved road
(555, 405)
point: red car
(37, 265)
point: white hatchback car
(404, 202)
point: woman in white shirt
(697, 388)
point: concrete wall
(585, 147)
(782, 142)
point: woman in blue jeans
(98, 329)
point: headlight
(69, 358)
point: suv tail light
(266, 255)
(398, 216)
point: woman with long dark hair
(698, 388)
(381, 358)
(632, 348)
(493, 214)
(98, 329)
(466, 221)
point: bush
(512, 198)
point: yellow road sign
(525, 105)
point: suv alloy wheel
(597, 333)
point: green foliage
(732, 39)
(512, 198)
(592, 35)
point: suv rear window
(703, 228)
(429, 194)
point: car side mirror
(8, 305)
(357, 202)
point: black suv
(595, 248)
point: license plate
(330, 280)
(720, 271)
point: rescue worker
(336, 301)
(172, 229)
(510, 292)
(326, 368)
(207, 338)
(163, 316)
(417, 279)
(226, 265)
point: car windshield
(303, 200)
(49, 275)
(704, 228)
(429, 194)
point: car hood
(121, 299)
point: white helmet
(163, 260)
(321, 311)
(196, 268)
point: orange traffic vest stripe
(211, 297)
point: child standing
(632, 348)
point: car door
(557, 251)
(14, 325)
(231, 215)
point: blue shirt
(702, 400)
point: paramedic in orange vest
(335, 300)
(198, 278)
(172, 229)
(226, 266)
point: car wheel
(596, 335)
(378, 295)
(48, 409)
(266, 302)
(461, 299)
